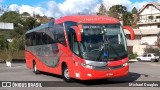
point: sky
(59, 8)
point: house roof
(157, 5)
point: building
(149, 16)
(148, 28)
(149, 21)
(137, 45)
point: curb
(133, 60)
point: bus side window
(46, 39)
(38, 38)
(28, 39)
(33, 35)
(73, 41)
(72, 36)
(59, 34)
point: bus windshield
(103, 42)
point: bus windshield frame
(103, 42)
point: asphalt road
(139, 71)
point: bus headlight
(87, 66)
(125, 64)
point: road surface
(139, 71)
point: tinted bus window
(71, 36)
(33, 39)
(68, 25)
(28, 39)
(59, 32)
(38, 38)
(46, 39)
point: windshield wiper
(102, 50)
(105, 49)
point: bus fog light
(125, 64)
(77, 75)
(88, 74)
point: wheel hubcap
(66, 73)
(35, 68)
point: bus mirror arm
(130, 30)
(78, 33)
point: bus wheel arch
(65, 73)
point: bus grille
(108, 68)
(116, 67)
(101, 68)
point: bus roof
(88, 19)
(92, 19)
(46, 25)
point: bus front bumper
(91, 74)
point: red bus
(83, 47)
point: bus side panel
(43, 67)
(59, 54)
(64, 55)
(29, 59)
(69, 58)
(40, 65)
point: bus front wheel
(35, 68)
(65, 74)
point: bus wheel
(35, 68)
(65, 74)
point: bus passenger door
(73, 41)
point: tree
(152, 50)
(38, 16)
(21, 25)
(117, 11)
(135, 17)
(102, 10)
(127, 19)
(11, 17)
(25, 14)
(120, 12)
(3, 42)
(30, 23)
(134, 10)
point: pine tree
(134, 10)
(102, 10)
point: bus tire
(65, 74)
(35, 68)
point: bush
(132, 55)
(152, 50)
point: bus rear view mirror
(130, 30)
(78, 33)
